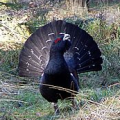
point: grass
(28, 104)
(99, 95)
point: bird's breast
(57, 79)
(56, 67)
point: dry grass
(108, 108)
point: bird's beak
(66, 37)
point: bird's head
(61, 43)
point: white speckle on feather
(27, 63)
(77, 53)
(50, 34)
(71, 74)
(89, 53)
(27, 69)
(42, 67)
(48, 41)
(44, 47)
(76, 48)
(78, 58)
(40, 57)
(79, 65)
(62, 33)
(32, 51)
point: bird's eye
(58, 39)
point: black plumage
(57, 52)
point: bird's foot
(57, 111)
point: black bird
(58, 52)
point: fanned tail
(34, 55)
(84, 54)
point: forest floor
(99, 95)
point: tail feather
(90, 68)
(91, 51)
(91, 63)
(87, 55)
(83, 55)
(32, 68)
(24, 62)
(31, 73)
(32, 57)
(35, 53)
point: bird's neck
(56, 64)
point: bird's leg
(56, 108)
